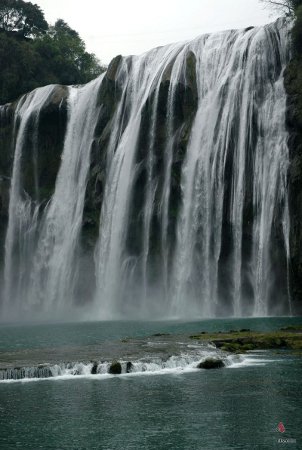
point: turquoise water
(13, 337)
(234, 408)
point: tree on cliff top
(292, 9)
(287, 7)
(23, 18)
(66, 55)
(34, 54)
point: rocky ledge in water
(246, 340)
(158, 353)
(161, 353)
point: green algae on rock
(243, 341)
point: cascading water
(23, 213)
(193, 209)
(45, 273)
(240, 121)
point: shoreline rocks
(246, 340)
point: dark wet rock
(292, 328)
(115, 368)
(211, 363)
(161, 334)
(50, 138)
(113, 67)
(94, 369)
(109, 95)
(129, 367)
(184, 111)
(293, 86)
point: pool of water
(13, 337)
(238, 407)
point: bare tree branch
(286, 6)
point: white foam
(248, 361)
(174, 365)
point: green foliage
(31, 57)
(297, 31)
(20, 67)
(22, 18)
(66, 57)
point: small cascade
(180, 363)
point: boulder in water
(115, 368)
(129, 367)
(211, 363)
(94, 369)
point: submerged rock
(94, 369)
(211, 363)
(129, 367)
(115, 368)
(161, 334)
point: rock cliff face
(293, 84)
(185, 202)
(41, 157)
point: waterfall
(240, 118)
(44, 276)
(188, 182)
(23, 213)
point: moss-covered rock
(241, 342)
(42, 147)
